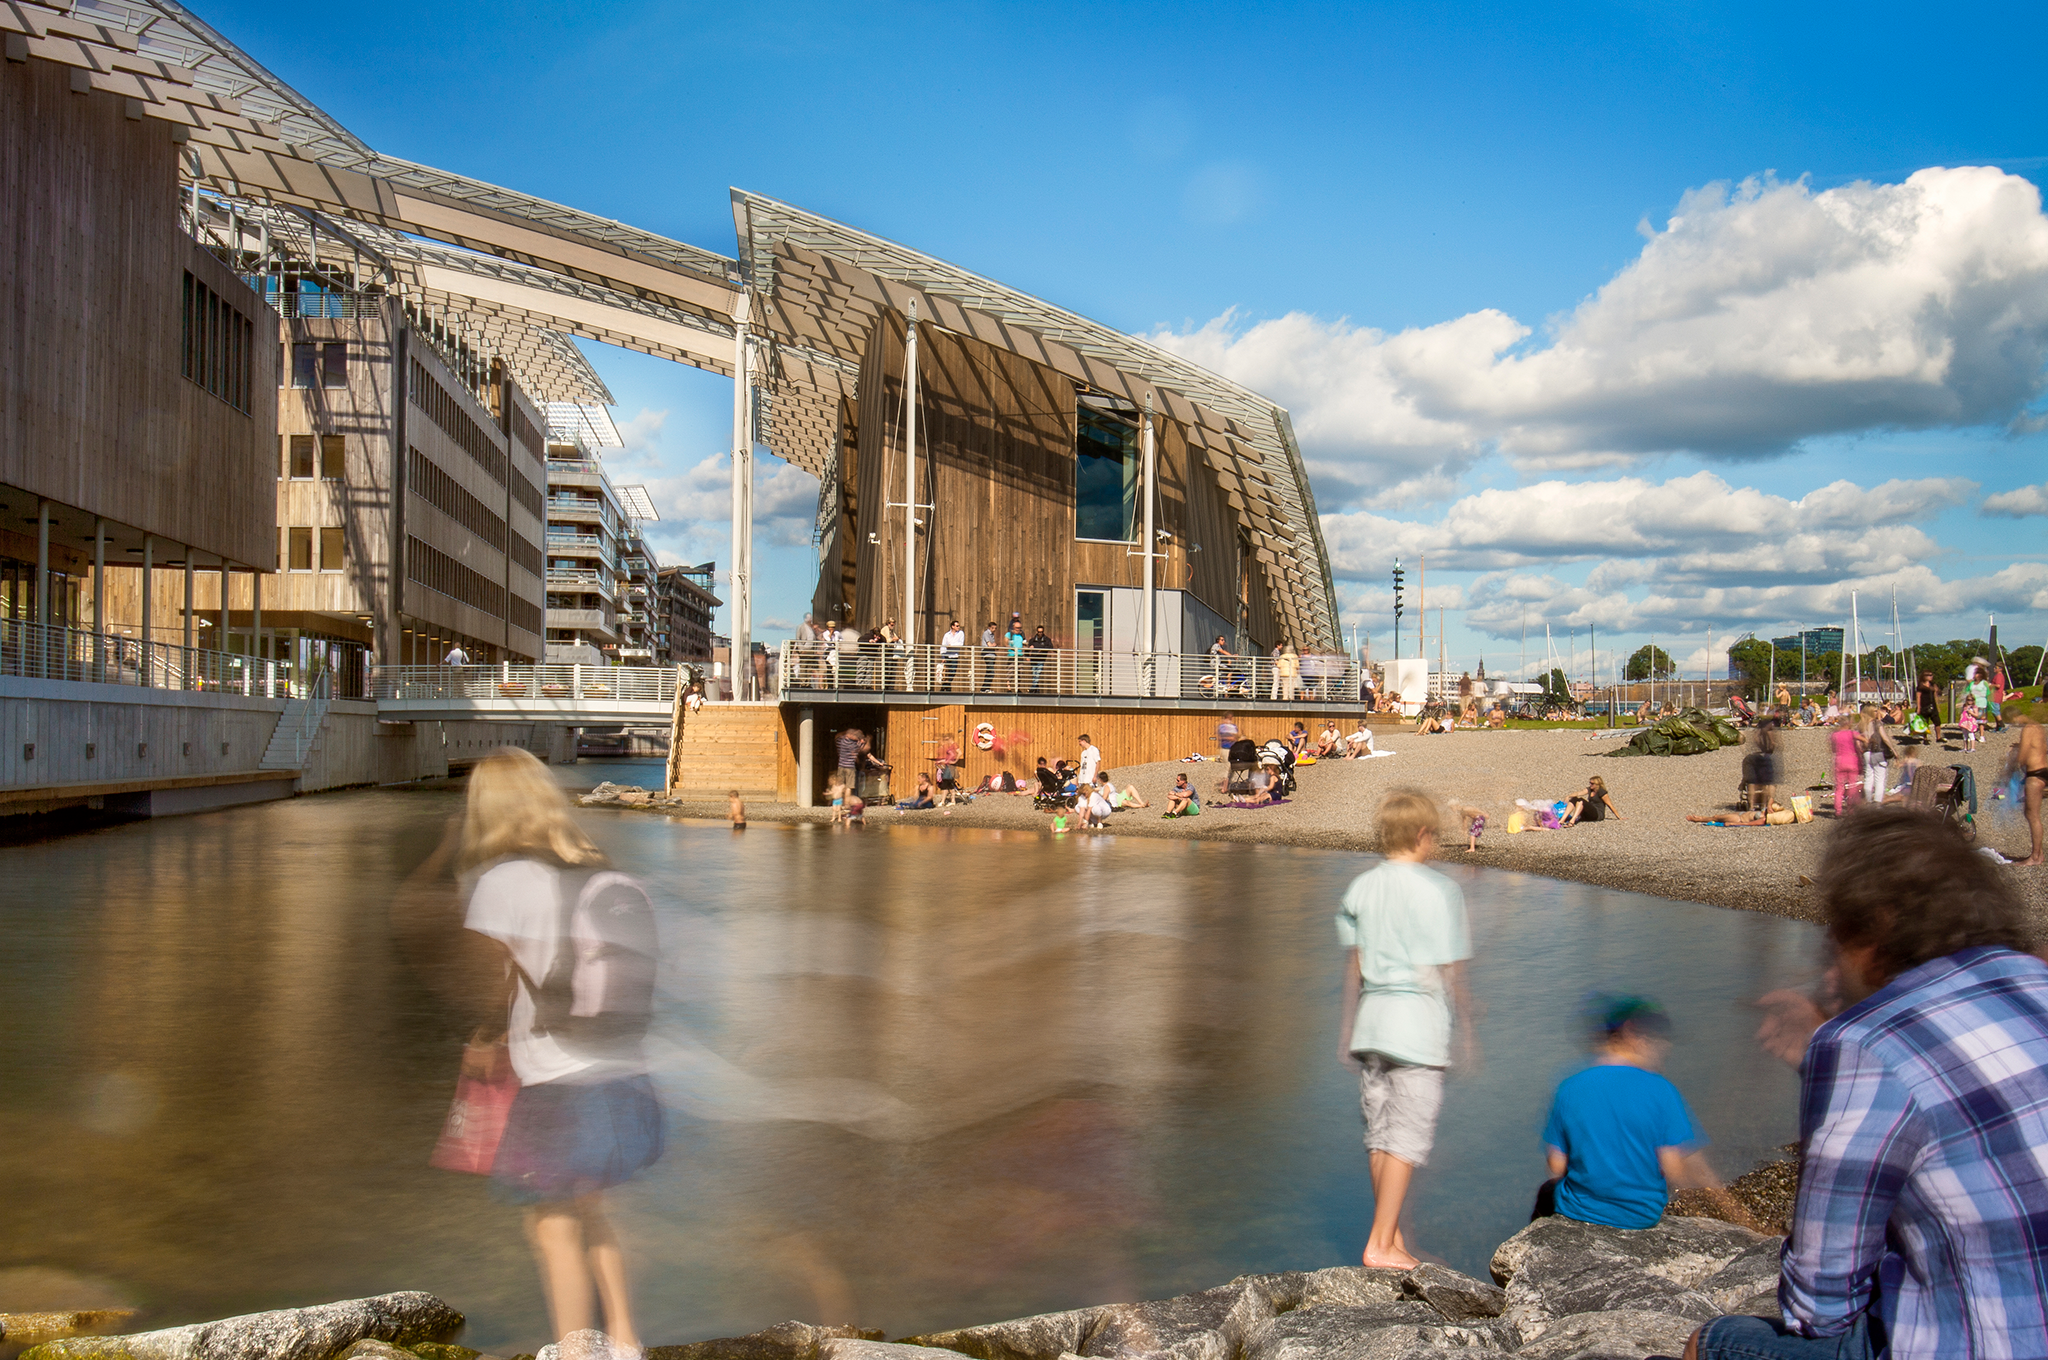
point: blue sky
(1443, 236)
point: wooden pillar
(43, 562)
(191, 619)
(220, 640)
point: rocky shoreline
(1561, 1290)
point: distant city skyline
(1630, 320)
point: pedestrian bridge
(575, 695)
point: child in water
(737, 810)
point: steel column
(742, 604)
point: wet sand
(1652, 849)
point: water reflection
(916, 1077)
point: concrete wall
(184, 752)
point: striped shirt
(1923, 1194)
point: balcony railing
(49, 653)
(506, 681)
(1053, 672)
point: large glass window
(1105, 476)
(299, 549)
(305, 365)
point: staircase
(298, 729)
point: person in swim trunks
(2030, 753)
(1475, 824)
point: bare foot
(1471, 849)
(2033, 863)
(1394, 1259)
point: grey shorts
(1400, 1101)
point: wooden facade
(996, 461)
(96, 412)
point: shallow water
(917, 1077)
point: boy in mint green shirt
(1406, 940)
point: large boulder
(1211, 1325)
(1753, 1272)
(1043, 1336)
(1559, 1268)
(1625, 1335)
(317, 1333)
(1683, 1250)
(1400, 1331)
(1455, 1295)
(783, 1341)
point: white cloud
(1691, 527)
(696, 507)
(1761, 315)
(2027, 500)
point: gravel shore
(1652, 849)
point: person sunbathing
(1359, 744)
(1429, 723)
(1497, 717)
(1129, 798)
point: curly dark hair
(1908, 883)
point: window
(334, 364)
(301, 456)
(330, 550)
(1105, 476)
(305, 365)
(300, 543)
(333, 456)
(217, 344)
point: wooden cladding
(526, 493)
(436, 570)
(438, 405)
(217, 344)
(425, 479)
(528, 616)
(525, 554)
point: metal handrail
(311, 718)
(1065, 672)
(506, 681)
(49, 652)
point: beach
(1652, 849)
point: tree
(1639, 665)
(1557, 690)
(1750, 659)
(2023, 663)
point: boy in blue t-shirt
(1620, 1136)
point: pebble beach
(1652, 849)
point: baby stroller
(1278, 755)
(1244, 758)
(1745, 716)
(1052, 791)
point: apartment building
(685, 605)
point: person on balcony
(456, 656)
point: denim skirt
(566, 1139)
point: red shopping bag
(476, 1119)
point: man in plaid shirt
(1921, 1227)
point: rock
(290, 1334)
(1552, 1285)
(1370, 1332)
(1683, 1250)
(1211, 1325)
(783, 1341)
(1760, 1305)
(586, 1344)
(376, 1350)
(1628, 1335)
(847, 1348)
(1283, 1289)
(1044, 1336)
(1454, 1294)
(441, 1350)
(32, 1329)
(1754, 1272)
(1357, 1286)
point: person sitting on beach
(1497, 717)
(1429, 723)
(1328, 744)
(1181, 799)
(1263, 784)
(1297, 739)
(923, 797)
(1620, 1137)
(1358, 745)
(1127, 797)
(1760, 767)
(1097, 807)
(1594, 805)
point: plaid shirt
(1923, 1193)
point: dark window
(1105, 476)
(215, 344)
(334, 364)
(333, 457)
(305, 365)
(441, 408)
(435, 570)
(301, 557)
(427, 480)
(302, 456)
(330, 550)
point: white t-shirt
(516, 903)
(1091, 760)
(954, 638)
(1407, 923)
(1098, 806)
